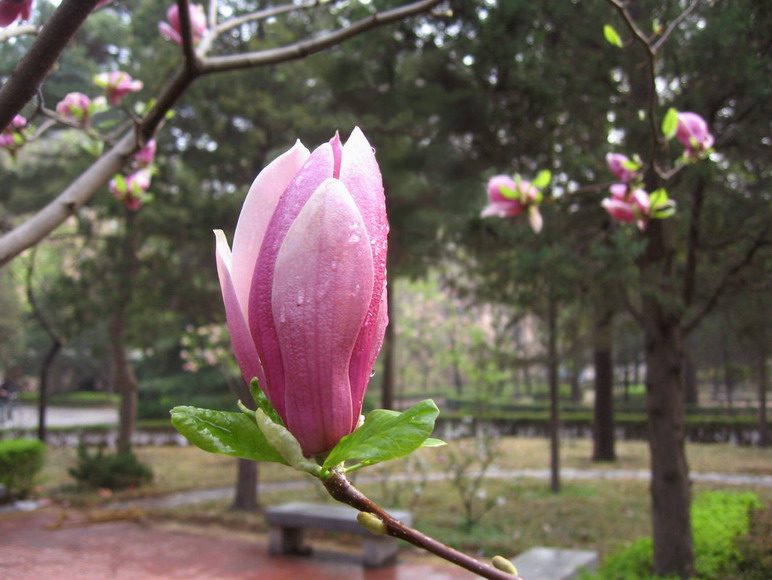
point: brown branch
(186, 33)
(674, 24)
(112, 161)
(759, 242)
(693, 240)
(341, 490)
(268, 13)
(20, 30)
(308, 47)
(651, 66)
(34, 66)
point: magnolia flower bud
(305, 285)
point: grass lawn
(502, 516)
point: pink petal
(619, 210)
(494, 188)
(321, 293)
(360, 173)
(241, 339)
(317, 168)
(258, 208)
(169, 33)
(502, 209)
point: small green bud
(372, 523)
(501, 563)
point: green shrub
(719, 521)
(755, 548)
(20, 462)
(109, 470)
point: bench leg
(283, 541)
(379, 551)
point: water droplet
(300, 298)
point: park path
(26, 417)
(183, 498)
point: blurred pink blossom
(10, 10)
(116, 85)
(693, 133)
(80, 108)
(131, 190)
(618, 165)
(628, 205)
(171, 30)
(12, 137)
(145, 156)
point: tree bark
(670, 487)
(603, 361)
(552, 371)
(691, 391)
(124, 381)
(45, 368)
(245, 497)
(387, 382)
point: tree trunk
(762, 380)
(388, 351)
(670, 488)
(45, 369)
(603, 412)
(690, 380)
(124, 381)
(245, 497)
(552, 371)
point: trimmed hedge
(20, 462)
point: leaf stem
(341, 489)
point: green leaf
(542, 179)
(284, 442)
(508, 192)
(120, 183)
(631, 165)
(226, 433)
(612, 36)
(670, 123)
(386, 435)
(659, 198)
(262, 402)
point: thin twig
(35, 65)
(341, 490)
(112, 161)
(19, 30)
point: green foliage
(387, 435)
(74, 398)
(102, 470)
(227, 433)
(254, 435)
(719, 521)
(756, 548)
(20, 462)
(207, 388)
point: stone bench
(288, 522)
(554, 564)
